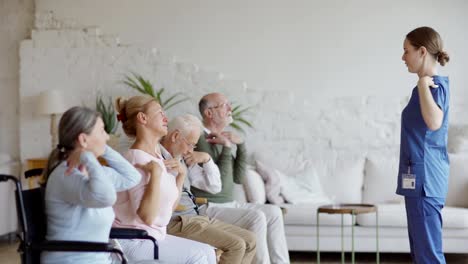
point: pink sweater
(128, 201)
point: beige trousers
(238, 244)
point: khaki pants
(265, 220)
(238, 245)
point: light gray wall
(326, 77)
(336, 47)
(16, 20)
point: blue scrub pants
(425, 229)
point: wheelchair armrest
(132, 233)
(79, 246)
(128, 233)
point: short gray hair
(185, 124)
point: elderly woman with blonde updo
(150, 204)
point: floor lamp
(51, 103)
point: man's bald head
(215, 110)
(210, 100)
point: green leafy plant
(238, 116)
(137, 82)
(108, 114)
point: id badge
(409, 181)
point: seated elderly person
(220, 143)
(149, 205)
(238, 245)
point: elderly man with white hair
(237, 244)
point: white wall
(336, 47)
(325, 76)
(16, 19)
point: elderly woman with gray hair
(80, 191)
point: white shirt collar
(165, 153)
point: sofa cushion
(380, 180)
(304, 187)
(272, 182)
(394, 215)
(306, 214)
(343, 182)
(458, 181)
(390, 215)
(457, 139)
(254, 187)
(455, 217)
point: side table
(353, 210)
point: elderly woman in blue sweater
(80, 191)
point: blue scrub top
(425, 151)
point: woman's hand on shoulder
(426, 81)
(175, 165)
(152, 167)
(74, 161)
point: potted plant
(109, 117)
(239, 121)
(137, 82)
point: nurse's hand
(425, 82)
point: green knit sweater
(232, 169)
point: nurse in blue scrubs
(424, 164)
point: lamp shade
(51, 102)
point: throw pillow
(272, 183)
(344, 182)
(305, 187)
(458, 139)
(254, 187)
(380, 180)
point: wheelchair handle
(4, 177)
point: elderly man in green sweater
(219, 143)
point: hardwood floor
(8, 255)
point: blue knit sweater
(79, 207)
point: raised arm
(149, 207)
(431, 112)
(88, 187)
(123, 174)
(181, 171)
(240, 163)
(205, 177)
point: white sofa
(372, 179)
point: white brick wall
(16, 20)
(289, 124)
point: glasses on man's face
(190, 145)
(223, 105)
